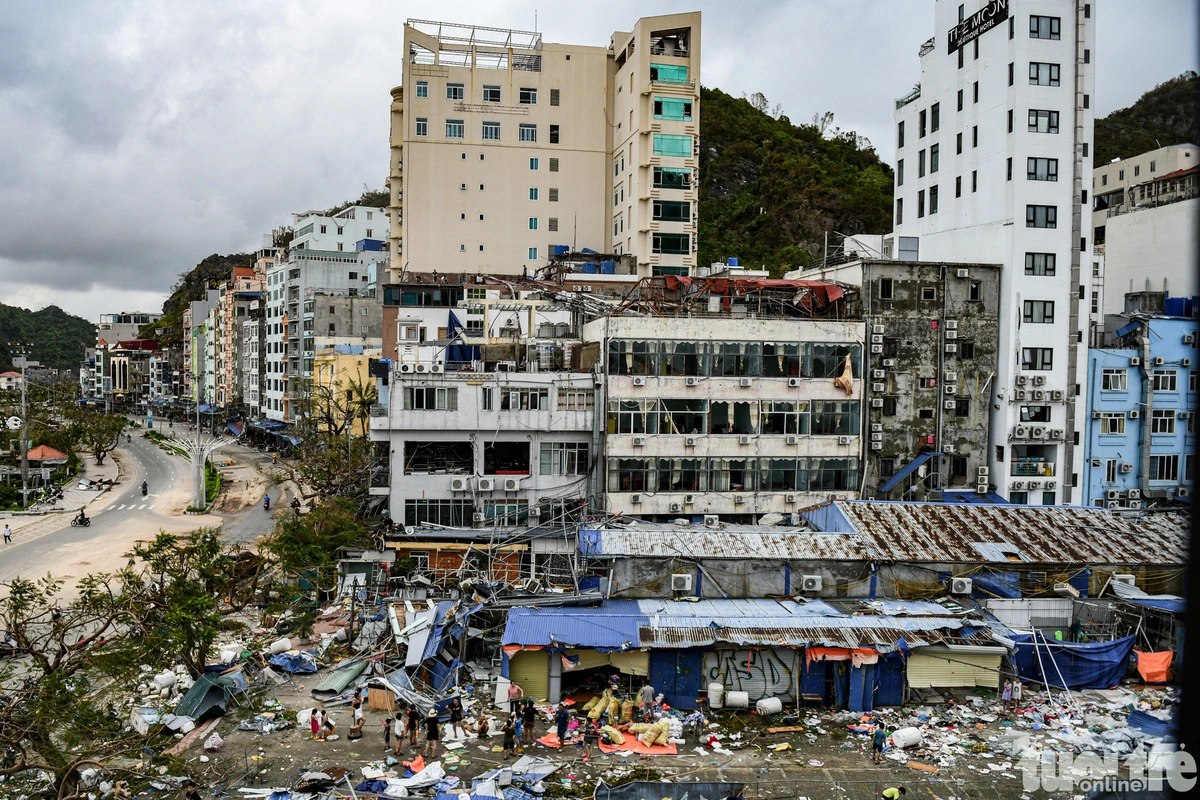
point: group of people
(1013, 692)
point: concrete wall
(1155, 244)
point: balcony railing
(908, 98)
(1033, 468)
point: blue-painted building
(1140, 428)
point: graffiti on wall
(759, 673)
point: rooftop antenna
(535, 20)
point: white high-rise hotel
(993, 155)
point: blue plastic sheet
(1087, 665)
(304, 662)
(1150, 725)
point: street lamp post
(199, 448)
(23, 349)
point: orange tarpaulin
(812, 654)
(1155, 667)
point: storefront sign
(971, 28)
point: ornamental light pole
(23, 349)
(199, 448)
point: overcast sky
(138, 137)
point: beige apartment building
(505, 148)
(1129, 183)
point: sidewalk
(74, 498)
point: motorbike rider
(144, 488)
(267, 502)
(81, 517)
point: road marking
(141, 507)
(121, 507)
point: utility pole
(23, 349)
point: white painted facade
(715, 458)
(1152, 249)
(993, 204)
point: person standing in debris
(412, 720)
(561, 718)
(519, 729)
(591, 737)
(878, 739)
(7, 533)
(387, 733)
(356, 719)
(515, 693)
(510, 737)
(528, 719)
(1006, 695)
(1018, 691)
(431, 733)
(645, 699)
(456, 718)
(314, 724)
(894, 793)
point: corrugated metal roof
(614, 625)
(672, 542)
(337, 681)
(940, 532)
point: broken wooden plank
(930, 768)
(787, 729)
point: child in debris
(893, 794)
(191, 792)
(1006, 696)
(456, 718)
(591, 735)
(356, 719)
(484, 726)
(431, 733)
(397, 726)
(327, 726)
(413, 723)
(1018, 690)
(519, 729)
(387, 733)
(510, 737)
(878, 739)
(528, 718)
(314, 723)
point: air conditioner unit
(982, 472)
(1022, 380)
(1134, 504)
(877, 402)
(478, 516)
(1035, 484)
(889, 363)
(406, 368)
(876, 437)
(1159, 361)
(876, 445)
(739, 499)
(691, 381)
(577, 288)
(981, 488)
(1182, 491)
(1135, 494)
(949, 405)
(743, 382)
(1135, 362)
(876, 427)
(711, 520)
(951, 348)
(811, 583)
(1018, 484)
(1126, 469)
(1111, 504)
(789, 498)
(844, 440)
(681, 582)
(1185, 362)
(689, 499)
(587, 289)
(1020, 394)
(878, 374)
(512, 484)
(1097, 415)
(1021, 432)
(960, 586)
(951, 388)
(876, 339)
(1134, 414)
(437, 368)
(676, 508)
(948, 448)
(951, 377)
(639, 380)
(1037, 394)
(793, 382)
(1039, 380)
(458, 485)
(878, 387)
(1126, 578)
(877, 349)
(1037, 432)
(743, 440)
(487, 484)
(1189, 338)
(1112, 494)
(689, 441)
(635, 499)
(639, 441)
(1184, 414)
(422, 368)
(1056, 433)
(877, 329)
(963, 273)
(792, 439)
(1057, 394)
(951, 334)
(951, 324)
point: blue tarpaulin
(459, 353)
(1150, 725)
(997, 584)
(303, 662)
(1085, 665)
(906, 471)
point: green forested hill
(1165, 115)
(58, 338)
(770, 189)
(191, 286)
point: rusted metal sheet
(838, 631)
(674, 543)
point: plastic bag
(214, 743)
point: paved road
(116, 515)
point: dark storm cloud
(138, 137)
